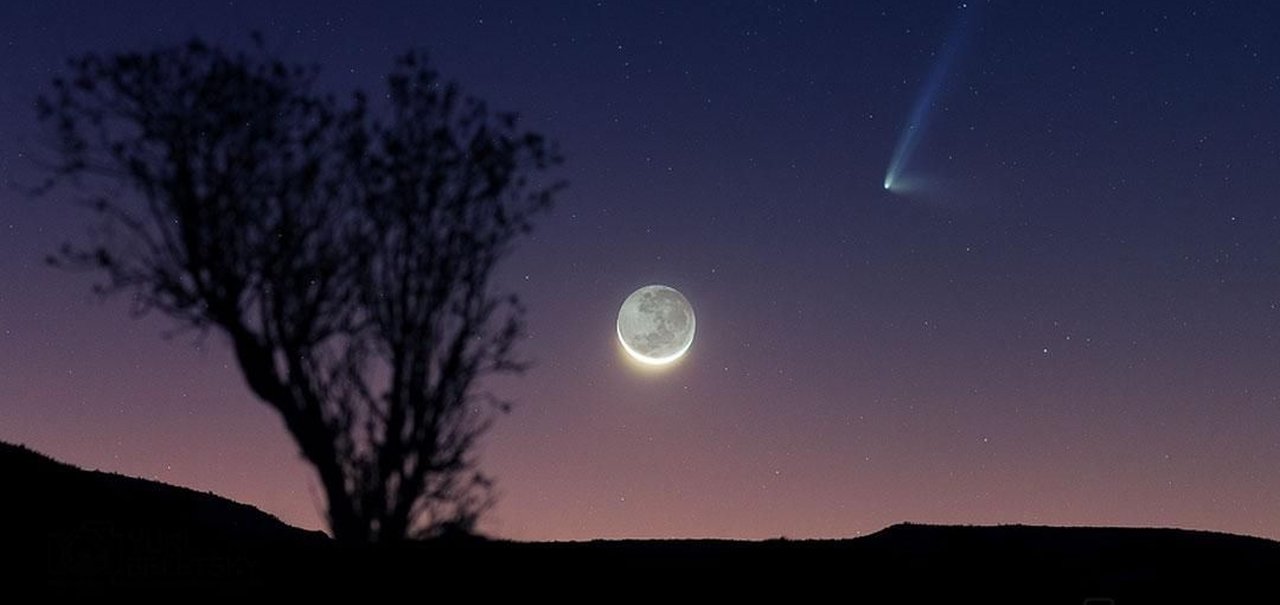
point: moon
(655, 325)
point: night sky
(1071, 316)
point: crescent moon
(656, 325)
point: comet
(918, 119)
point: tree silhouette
(348, 259)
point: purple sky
(1073, 319)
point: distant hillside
(907, 563)
(90, 528)
(75, 531)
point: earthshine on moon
(655, 325)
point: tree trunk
(343, 521)
(259, 370)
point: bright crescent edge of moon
(660, 361)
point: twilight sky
(1072, 317)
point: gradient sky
(1073, 319)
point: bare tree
(349, 260)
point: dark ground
(69, 531)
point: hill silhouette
(68, 530)
(88, 528)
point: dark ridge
(71, 527)
(71, 531)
